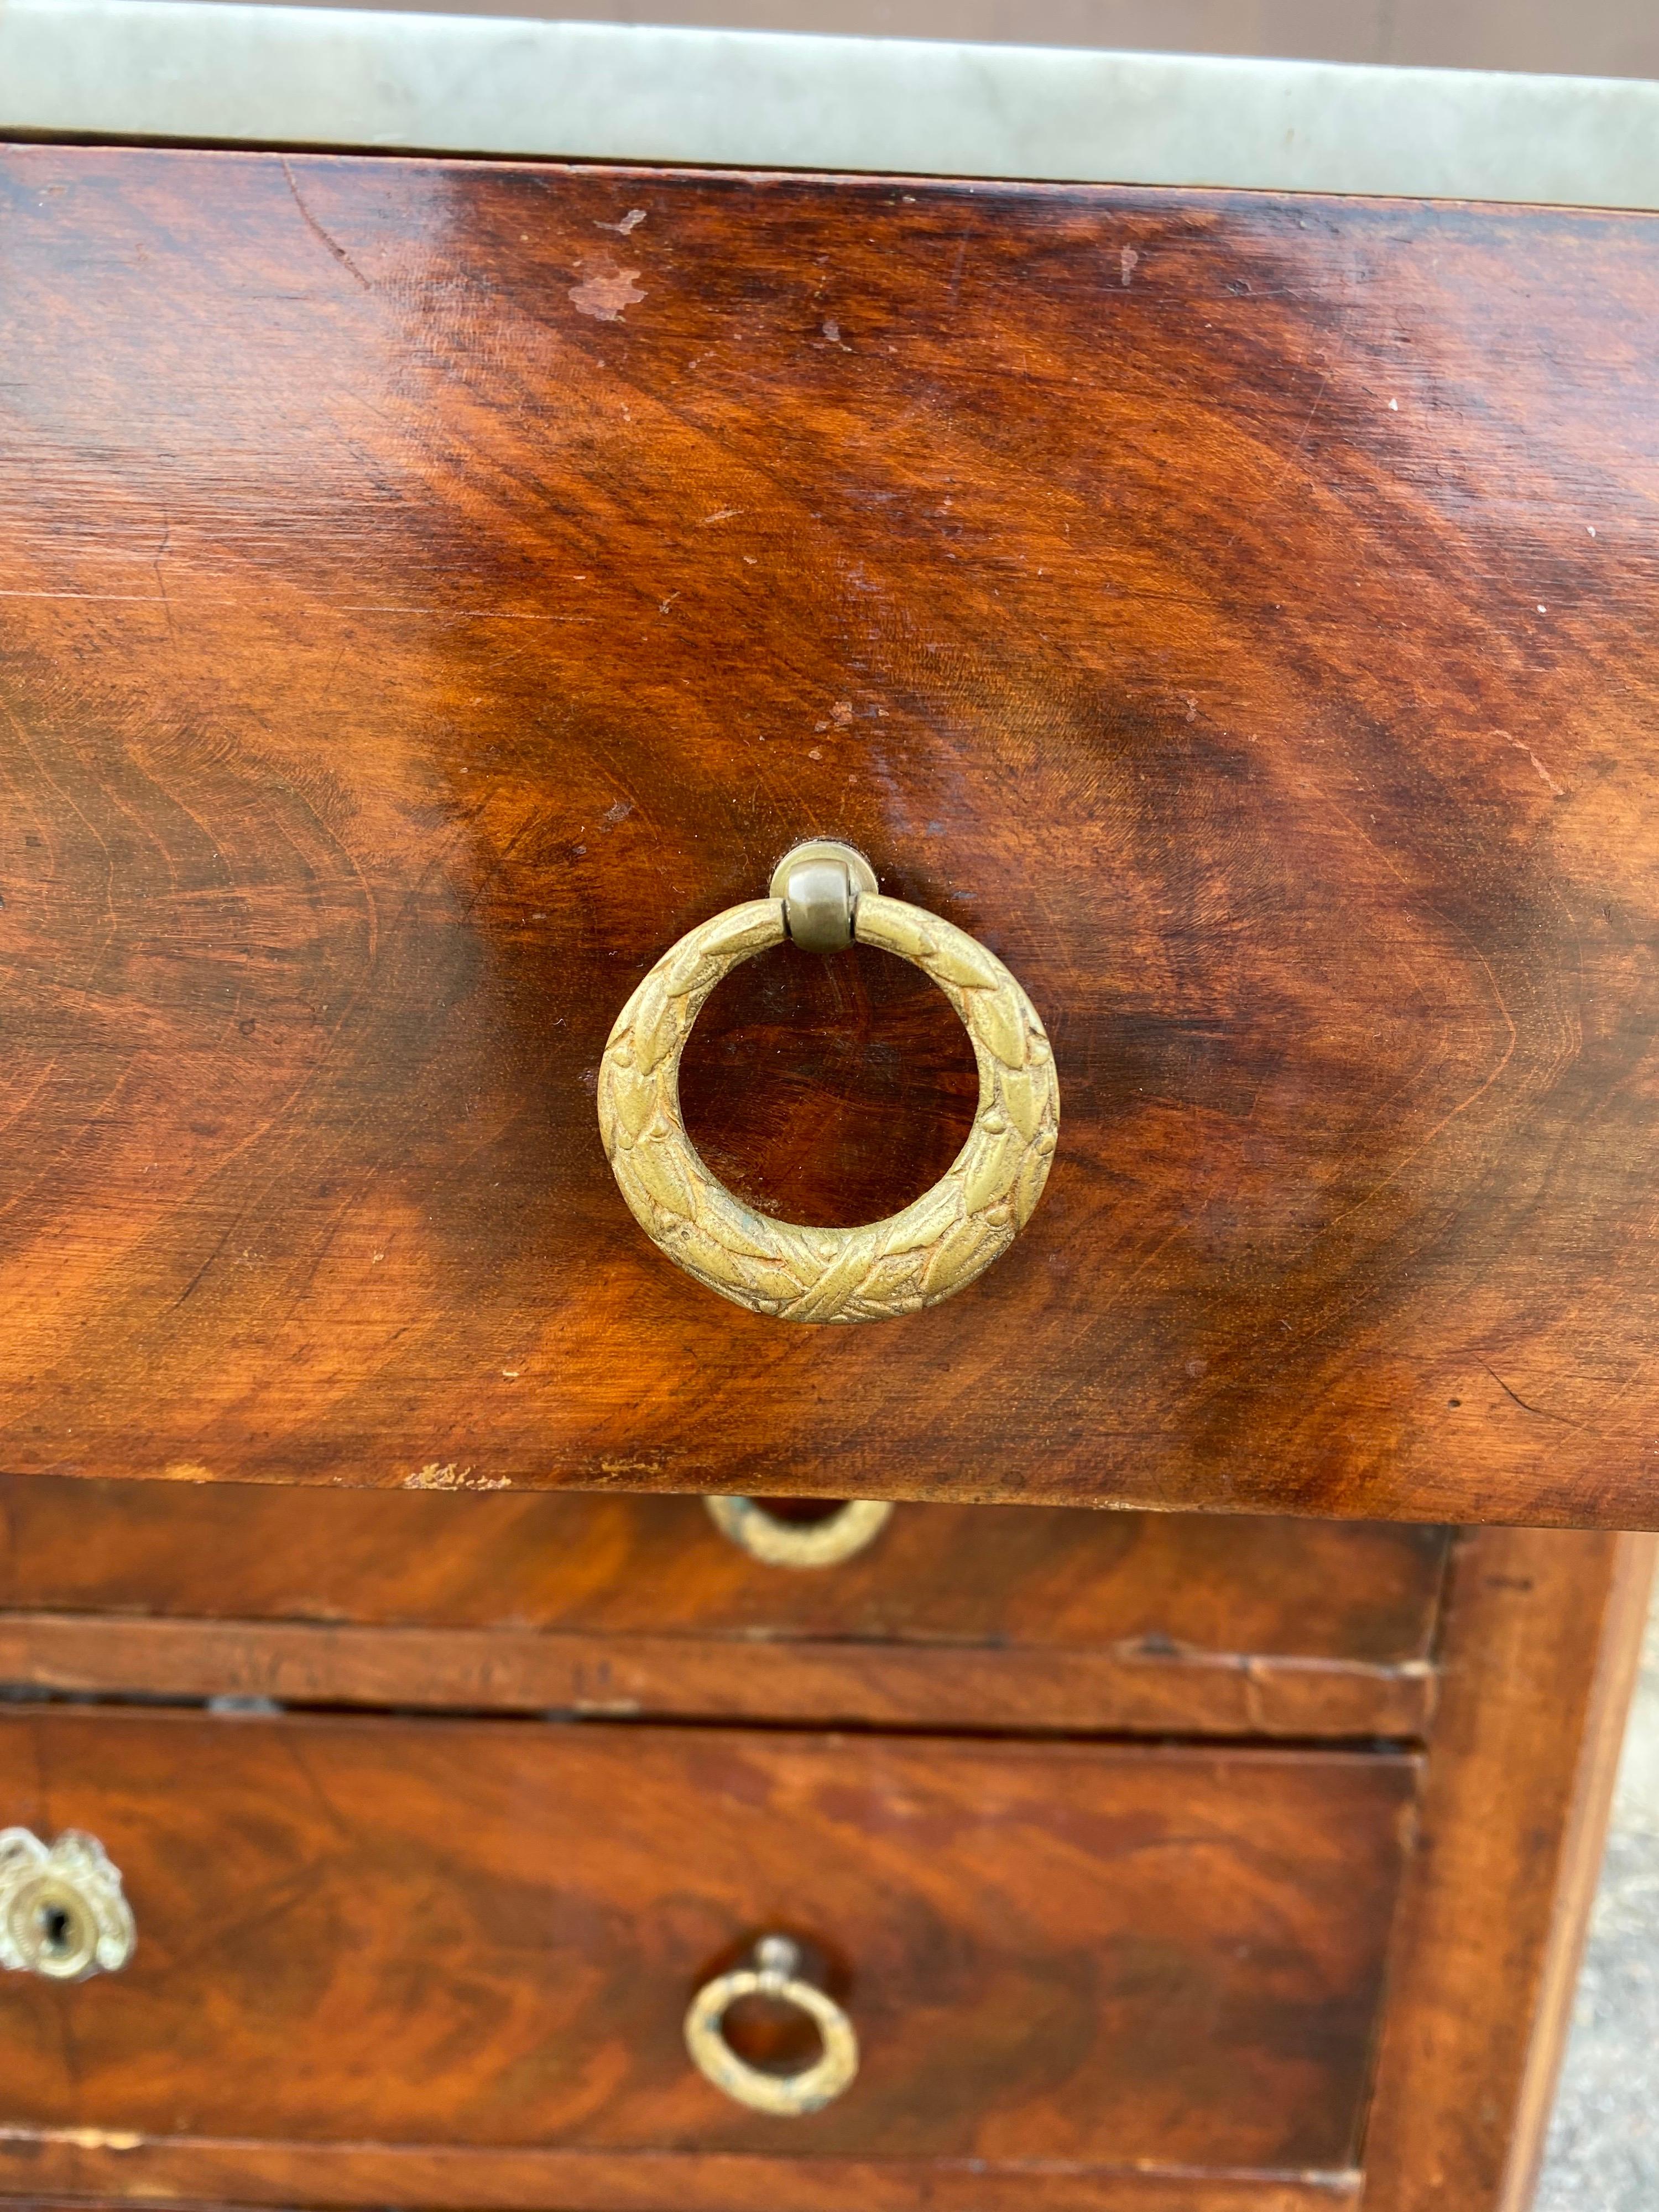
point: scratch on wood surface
(960, 264)
(161, 579)
(330, 245)
(631, 221)
(1559, 790)
(1541, 1412)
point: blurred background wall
(1581, 37)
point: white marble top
(191, 71)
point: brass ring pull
(62, 1911)
(780, 1543)
(775, 1973)
(940, 1242)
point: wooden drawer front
(449, 1934)
(429, 588)
(978, 1614)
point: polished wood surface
(958, 1616)
(1048, 1578)
(1543, 1636)
(486, 1933)
(1536, 1650)
(428, 588)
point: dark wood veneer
(446, 1933)
(1046, 1578)
(1238, 610)
(1542, 1634)
(958, 1616)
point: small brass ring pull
(776, 1972)
(778, 1543)
(62, 1911)
(940, 1242)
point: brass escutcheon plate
(62, 1914)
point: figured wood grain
(462, 1934)
(424, 598)
(1040, 1579)
(1544, 1629)
(1034, 1617)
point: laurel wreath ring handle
(776, 1970)
(851, 1529)
(931, 1249)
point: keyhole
(57, 1928)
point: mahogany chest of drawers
(1160, 1861)
(437, 595)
